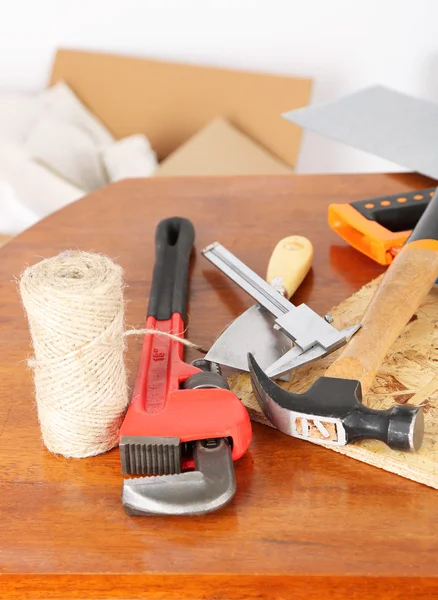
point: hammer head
(331, 412)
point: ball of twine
(74, 304)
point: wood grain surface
(305, 522)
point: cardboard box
(170, 102)
(220, 149)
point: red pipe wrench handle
(159, 407)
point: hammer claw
(294, 414)
(331, 412)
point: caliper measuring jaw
(313, 335)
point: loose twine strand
(75, 309)
(171, 336)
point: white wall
(342, 44)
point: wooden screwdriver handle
(289, 264)
(405, 284)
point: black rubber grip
(398, 212)
(427, 226)
(174, 240)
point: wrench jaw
(210, 487)
(207, 428)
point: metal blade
(251, 332)
(300, 323)
(209, 487)
(296, 357)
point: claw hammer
(331, 410)
(181, 416)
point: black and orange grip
(425, 233)
(379, 227)
(405, 284)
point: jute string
(75, 308)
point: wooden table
(305, 522)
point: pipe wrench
(183, 426)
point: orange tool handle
(379, 227)
(403, 287)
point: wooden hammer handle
(405, 284)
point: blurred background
(340, 45)
(343, 45)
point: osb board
(408, 375)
